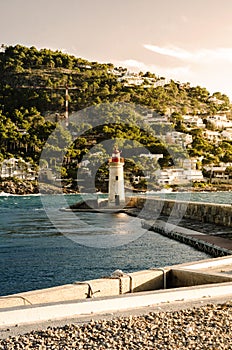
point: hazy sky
(187, 40)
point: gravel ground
(206, 327)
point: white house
(174, 176)
(185, 173)
(17, 168)
(180, 138)
(218, 172)
(164, 177)
(193, 121)
(227, 134)
(130, 79)
(220, 121)
(152, 156)
(193, 175)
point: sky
(185, 40)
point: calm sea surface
(40, 246)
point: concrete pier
(215, 246)
(186, 282)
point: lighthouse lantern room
(116, 179)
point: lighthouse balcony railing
(116, 160)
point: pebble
(206, 327)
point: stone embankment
(207, 327)
(215, 239)
(219, 214)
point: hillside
(47, 73)
(33, 84)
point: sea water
(40, 247)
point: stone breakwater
(207, 327)
(219, 214)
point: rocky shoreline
(205, 327)
(20, 187)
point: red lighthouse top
(116, 155)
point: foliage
(32, 100)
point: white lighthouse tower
(116, 179)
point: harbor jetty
(216, 215)
(212, 245)
(165, 215)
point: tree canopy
(32, 101)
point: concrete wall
(220, 214)
(211, 271)
(184, 278)
(103, 287)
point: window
(116, 178)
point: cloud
(169, 51)
(175, 73)
(211, 68)
(184, 18)
(198, 56)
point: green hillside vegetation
(32, 101)
(94, 83)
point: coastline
(26, 187)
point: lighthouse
(116, 179)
